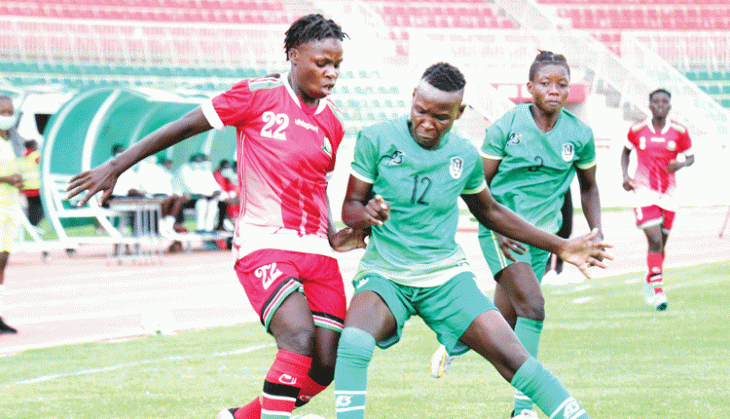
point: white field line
(136, 364)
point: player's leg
(369, 320)
(649, 220)
(273, 287)
(8, 234)
(724, 223)
(519, 295)
(490, 336)
(325, 293)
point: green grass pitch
(619, 358)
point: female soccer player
(406, 178)
(530, 156)
(284, 235)
(658, 142)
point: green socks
(351, 372)
(528, 332)
(548, 393)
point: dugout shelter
(80, 137)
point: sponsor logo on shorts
(362, 282)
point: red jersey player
(657, 141)
(288, 133)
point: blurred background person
(195, 179)
(30, 170)
(11, 150)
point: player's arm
(507, 245)
(675, 164)
(628, 183)
(346, 239)
(361, 209)
(104, 177)
(590, 200)
(579, 251)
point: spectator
(195, 179)
(228, 207)
(156, 182)
(11, 149)
(30, 169)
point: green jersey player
(407, 176)
(531, 155)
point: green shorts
(534, 256)
(447, 309)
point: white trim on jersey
(211, 115)
(361, 177)
(320, 107)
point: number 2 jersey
(536, 168)
(653, 185)
(416, 246)
(286, 151)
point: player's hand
(583, 252)
(377, 210)
(628, 184)
(674, 165)
(15, 180)
(508, 246)
(348, 239)
(102, 178)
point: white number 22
(267, 274)
(282, 121)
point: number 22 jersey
(286, 152)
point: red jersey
(286, 150)
(654, 151)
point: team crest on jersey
(456, 167)
(514, 138)
(671, 146)
(568, 152)
(395, 159)
(327, 146)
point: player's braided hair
(657, 91)
(445, 77)
(547, 58)
(309, 27)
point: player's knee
(300, 341)
(532, 308)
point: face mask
(7, 122)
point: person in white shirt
(195, 179)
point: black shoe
(4, 328)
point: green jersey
(536, 167)
(417, 244)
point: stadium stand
(692, 36)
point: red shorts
(269, 276)
(653, 216)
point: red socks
(654, 277)
(309, 389)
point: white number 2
(282, 121)
(267, 274)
